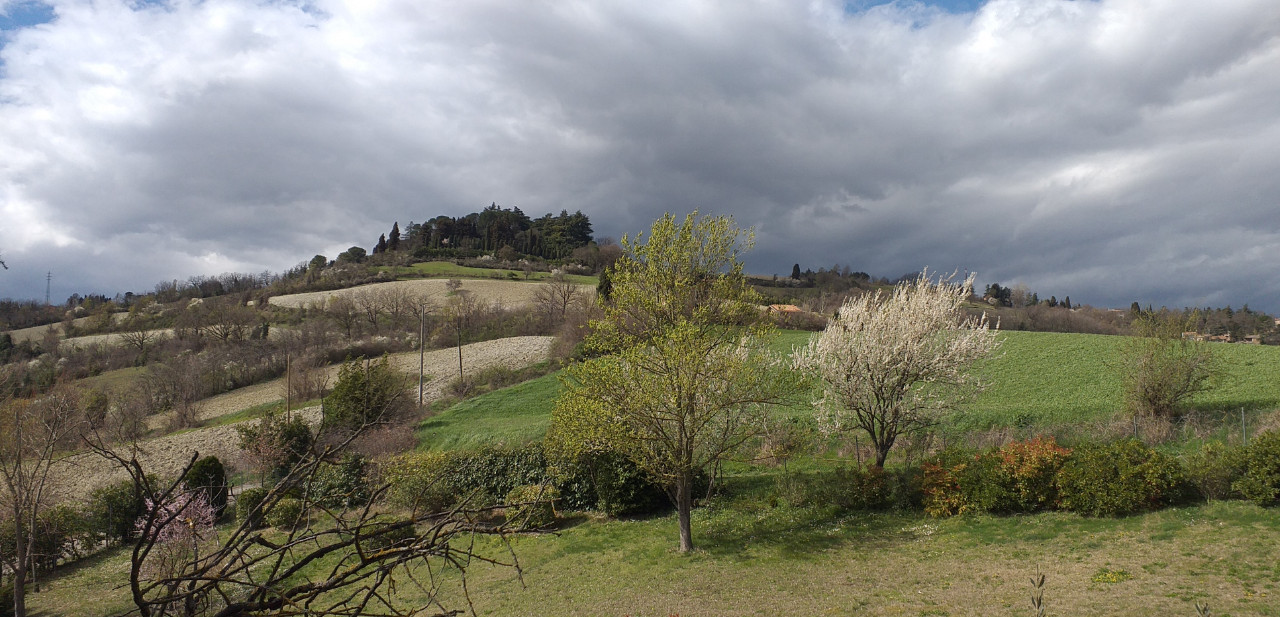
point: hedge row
(1113, 479)
(436, 481)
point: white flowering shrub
(892, 363)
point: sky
(1107, 150)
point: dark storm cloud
(1112, 151)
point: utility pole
(288, 386)
(48, 285)
(422, 351)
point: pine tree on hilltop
(393, 240)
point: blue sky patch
(950, 6)
(23, 14)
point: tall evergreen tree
(393, 240)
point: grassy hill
(1039, 382)
(758, 555)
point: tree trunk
(684, 505)
(882, 453)
(20, 571)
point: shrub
(376, 541)
(288, 513)
(491, 472)
(984, 485)
(274, 444)
(852, 489)
(419, 481)
(906, 492)
(247, 506)
(1214, 468)
(1030, 470)
(341, 485)
(611, 483)
(1020, 476)
(112, 510)
(208, 476)
(535, 505)
(1119, 478)
(58, 531)
(1261, 481)
(366, 393)
(940, 483)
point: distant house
(1252, 339)
(784, 309)
(1192, 336)
(1220, 338)
(783, 312)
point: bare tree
(306, 379)
(457, 314)
(138, 334)
(226, 322)
(555, 296)
(343, 311)
(177, 386)
(370, 304)
(401, 304)
(31, 434)
(892, 363)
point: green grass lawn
(450, 269)
(756, 559)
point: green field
(437, 269)
(515, 415)
(1039, 382)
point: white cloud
(1110, 150)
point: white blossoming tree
(892, 363)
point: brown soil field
(36, 333)
(508, 293)
(79, 474)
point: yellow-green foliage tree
(684, 378)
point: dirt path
(81, 473)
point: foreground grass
(773, 561)
(754, 559)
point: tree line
(492, 229)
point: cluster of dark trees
(1019, 296)
(491, 229)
